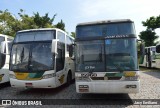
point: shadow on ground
(2, 86)
(42, 93)
(153, 72)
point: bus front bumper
(108, 87)
(43, 83)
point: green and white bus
(106, 57)
(151, 57)
(40, 59)
(5, 45)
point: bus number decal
(88, 74)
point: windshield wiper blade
(22, 54)
(118, 68)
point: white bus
(40, 59)
(5, 45)
(106, 57)
(151, 57)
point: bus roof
(6, 36)
(105, 22)
(43, 29)
(40, 29)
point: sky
(73, 12)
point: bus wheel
(69, 78)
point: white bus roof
(6, 36)
(40, 29)
(105, 21)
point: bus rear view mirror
(54, 46)
(142, 49)
(70, 50)
(158, 48)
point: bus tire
(69, 78)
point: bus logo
(6, 102)
(89, 67)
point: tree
(149, 37)
(10, 24)
(61, 25)
(152, 23)
(6, 21)
(73, 34)
(43, 21)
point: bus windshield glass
(31, 57)
(105, 30)
(34, 36)
(121, 54)
(106, 55)
(90, 56)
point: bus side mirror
(158, 48)
(54, 46)
(70, 50)
(142, 47)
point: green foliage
(73, 34)
(10, 24)
(152, 22)
(149, 37)
(60, 25)
(44, 21)
(6, 21)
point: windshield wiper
(22, 54)
(118, 68)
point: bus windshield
(90, 56)
(121, 54)
(34, 36)
(106, 55)
(105, 30)
(32, 57)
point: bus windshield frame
(31, 51)
(32, 57)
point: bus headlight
(12, 76)
(129, 74)
(48, 76)
(133, 76)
